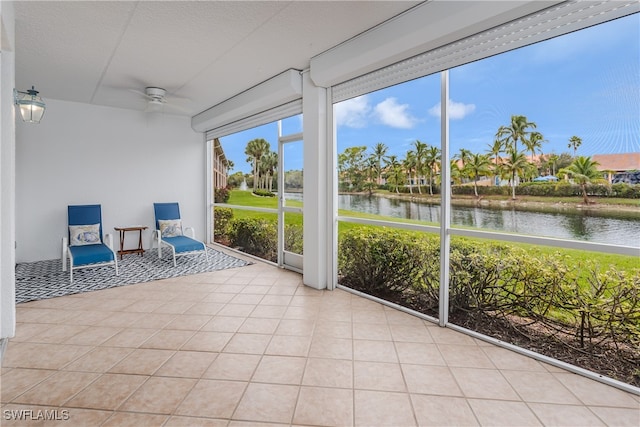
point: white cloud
(390, 113)
(457, 110)
(353, 112)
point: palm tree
(255, 149)
(478, 165)
(421, 149)
(518, 130)
(410, 164)
(553, 162)
(379, 151)
(514, 166)
(463, 155)
(431, 162)
(574, 142)
(372, 172)
(393, 169)
(495, 150)
(455, 173)
(397, 176)
(534, 144)
(270, 162)
(583, 170)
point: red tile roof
(617, 162)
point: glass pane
(253, 165)
(293, 232)
(293, 174)
(542, 154)
(248, 231)
(396, 265)
(388, 153)
(292, 125)
(543, 138)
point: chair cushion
(80, 235)
(91, 254)
(184, 244)
(170, 227)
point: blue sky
(585, 83)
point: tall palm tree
(372, 172)
(255, 149)
(495, 150)
(477, 166)
(410, 164)
(431, 163)
(584, 171)
(553, 162)
(455, 173)
(270, 162)
(393, 168)
(379, 152)
(397, 176)
(574, 142)
(514, 166)
(518, 130)
(421, 151)
(534, 144)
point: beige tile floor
(252, 346)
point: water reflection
(578, 225)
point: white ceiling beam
(278, 90)
(423, 28)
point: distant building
(619, 167)
(220, 165)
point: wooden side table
(122, 231)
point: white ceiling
(205, 51)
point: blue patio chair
(84, 245)
(169, 232)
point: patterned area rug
(45, 279)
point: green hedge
(255, 236)
(553, 189)
(259, 237)
(264, 193)
(597, 304)
(221, 219)
(221, 195)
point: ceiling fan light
(154, 106)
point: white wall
(124, 160)
(7, 178)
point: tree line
(505, 158)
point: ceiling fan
(157, 100)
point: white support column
(209, 188)
(332, 195)
(316, 194)
(280, 197)
(7, 177)
(445, 200)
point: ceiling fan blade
(140, 93)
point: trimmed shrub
(221, 220)
(255, 236)
(627, 191)
(496, 279)
(373, 261)
(264, 193)
(221, 195)
(293, 238)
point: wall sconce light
(31, 105)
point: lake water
(617, 229)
